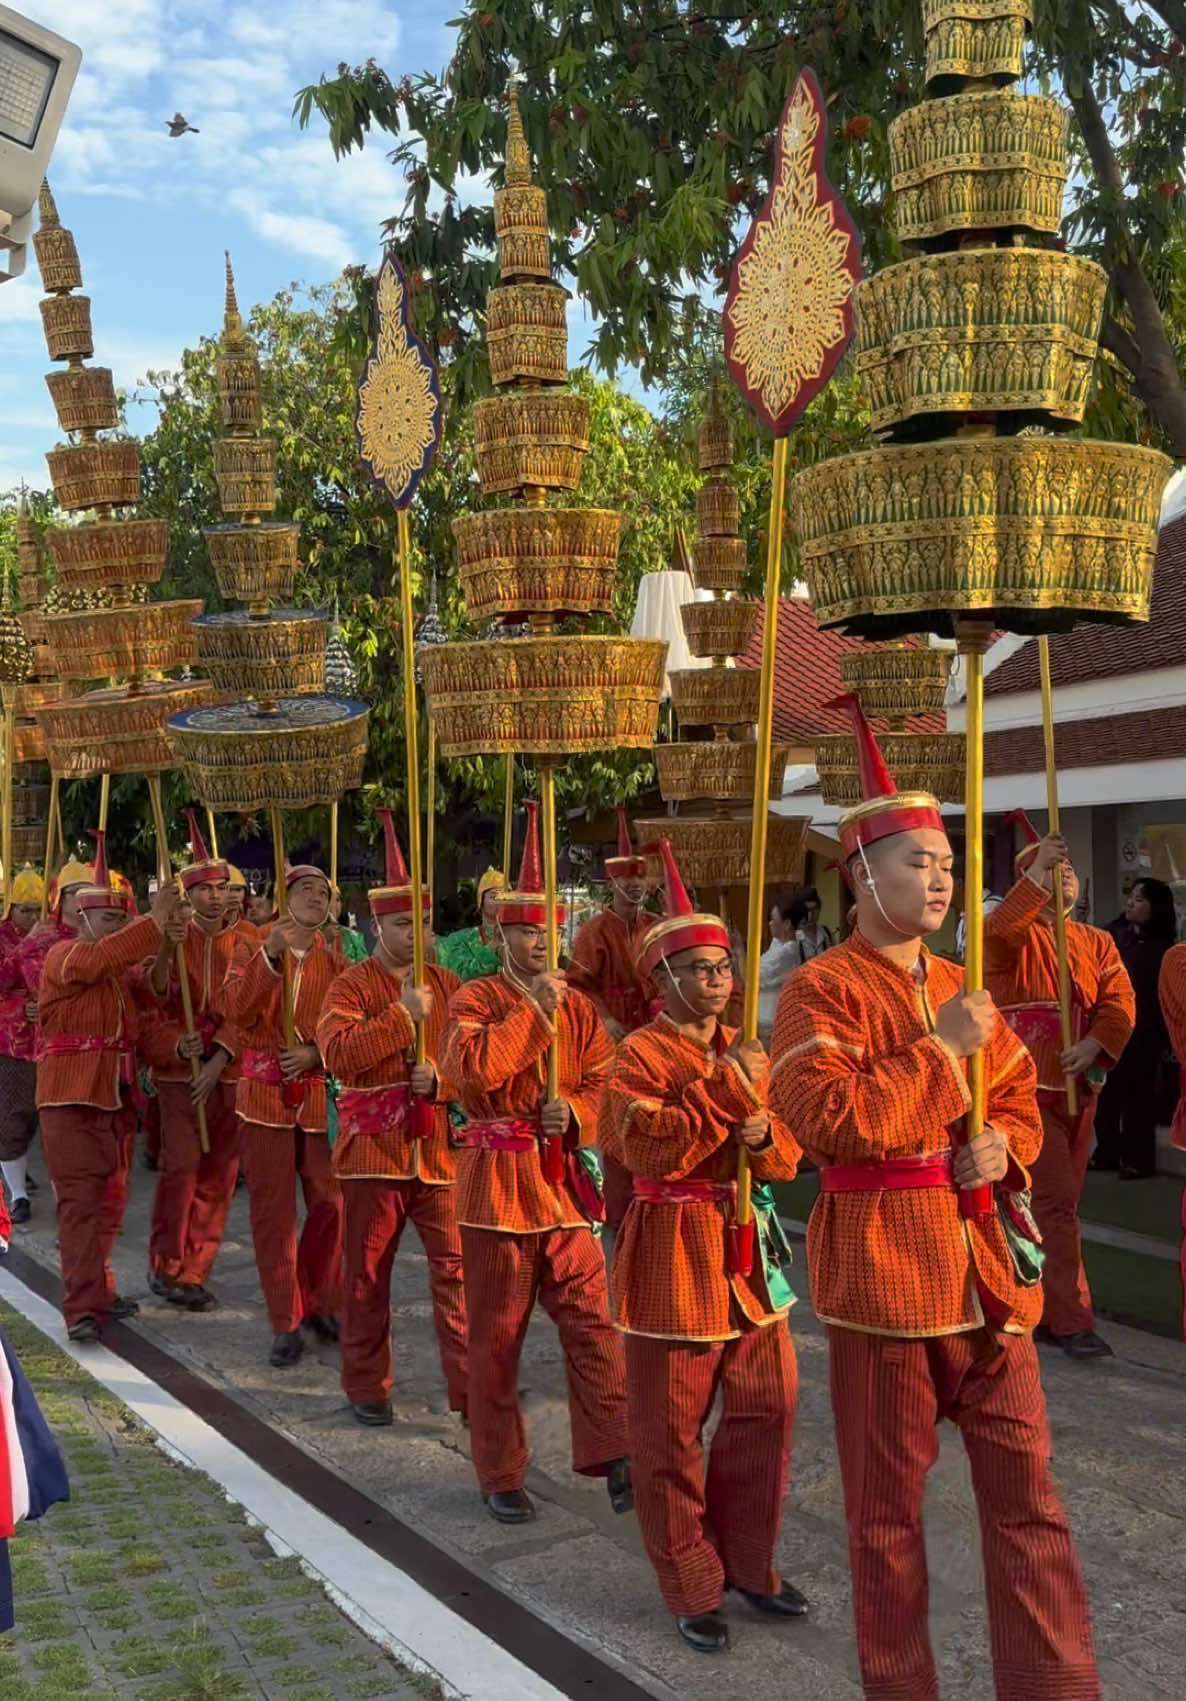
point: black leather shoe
(187, 1296)
(707, 1632)
(286, 1349)
(619, 1486)
(376, 1414)
(20, 1212)
(325, 1328)
(121, 1307)
(1085, 1343)
(1126, 1172)
(787, 1603)
(162, 1286)
(85, 1331)
(512, 1507)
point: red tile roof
(807, 675)
(1105, 742)
(1105, 652)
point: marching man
(524, 1232)
(18, 1042)
(923, 1263)
(684, 1094)
(274, 994)
(392, 1154)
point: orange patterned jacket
(253, 994)
(1021, 973)
(668, 1114)
(860, 1076)
(208, 959)
(603, 965)
(368, 1041)
(496, 1053)
(83, 1006)
(1171, 990)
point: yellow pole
(51, 828)
(164, 875)
(508, 813)
(104, 801)
(281, 906)
(9, 762)
(56, 805)
(430, 810)
(413, 763)
(551, 1151)
(757, 854)
(333, 847)
(972, 644)
(212, 832)
(1060, 912)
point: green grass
(1145, 1207)
(1130, 1288)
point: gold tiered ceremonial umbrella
(548, 695)
(33, 797)
(713, 849)
(894, 684)
(974, 514)
(16, 663)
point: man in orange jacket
(1171, 990)
(392, 1154)
(86, 1086)
(923, 1261)
(275, 991)
(1021, 973)
(699, 1316)
(194, 1187)
(524, 1204)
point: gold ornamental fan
(302, 755)
(919, 761)
(117, 731)
(979, 39)
(66, 322)
(714, 850)
(718, 563)
(898, 682)
(519, 561)
(106, 553)
(83, 398)
(544, 696)
(1033, 533)
(530, 438)
(96, 475)
(281, 655)
(255, 564)
(716, 768)
(720, 629)
(123, 643)
(716, 696)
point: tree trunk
(1150, 356)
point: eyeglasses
(706, 972)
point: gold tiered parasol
(102, 565)
(975, 514)
(33, 798)
(894, 683)
(713, 850)
(545, 695)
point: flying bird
(177, 126)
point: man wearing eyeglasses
(685, 1097)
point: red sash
(511, 1135)
(932, 1169)
(72, 1045)
(372, 1110)
(686, 1192)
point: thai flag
(32, 1475)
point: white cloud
(19, 297)
(302, 233)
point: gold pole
(547, 793)
(508, 813)
(281, 906)
(413, 763)
(51, 826)
(430, 809)
(212, 832)
(333, 847)
(757, 854)
(9, 762)
(104, 801)
(1060, 913)
(164, 876)
(55, 798)
(973, 641)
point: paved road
(1119, 1447)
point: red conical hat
(1030, 839)
(626, 865)
(204, 869)
(104, 894)
(883, 809)
(297, 871)
(525, 902)
(394, 897)
(681, 927)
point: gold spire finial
(47, 210)
(234, 335)
(518, 165)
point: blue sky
(152, 215)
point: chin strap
(695, 1014)
(902, 932)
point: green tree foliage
(651, 123)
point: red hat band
(396, 900)
(524, 905)
(883, 809)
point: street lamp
(37, 72)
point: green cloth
(466, 955)
(773, 1245)
(354, 946)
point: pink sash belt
(687, 1192)
(930, 1170)
(73, 1045)
(372, 1110)
(513, 1135)
(262, 1066)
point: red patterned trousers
(888, 1396)
(297, 1277)
(87, 1152)
(504, 1276)
(702, 1526)
(1057, 1175)
(374, 1214)
(194, 1188)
